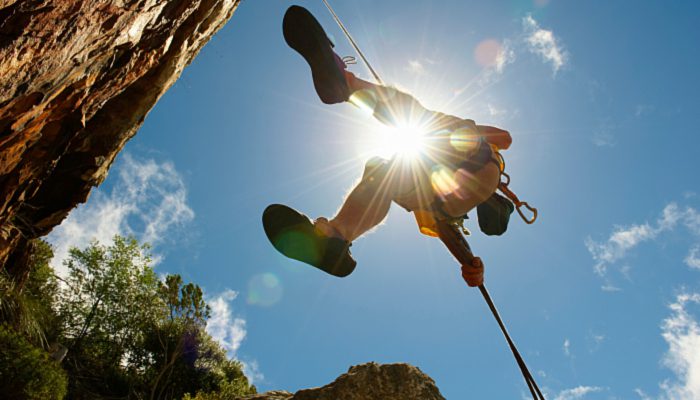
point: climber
(458, 169)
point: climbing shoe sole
(303, 33)
(293, 234)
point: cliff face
(77, 78)
(369, 381)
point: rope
(531, 384)
(459, 248)
(352, 42)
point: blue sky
(602, 294)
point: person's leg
(393, 107)
(367, 204)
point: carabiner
(533, 210)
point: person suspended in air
(458, 170)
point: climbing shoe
(303, 33)
(294, 235)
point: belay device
(496, 211)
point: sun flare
(406, 141)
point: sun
(406, 141)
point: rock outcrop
(369, 381)
(77, 78)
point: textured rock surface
(369, 381)
(77, 78)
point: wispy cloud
(420, 65)
(642, 395)
(594, 341)
(494, 111)
(416, 67)
(504, 57)
(603, 135)
(578, 392)
(493, 56)
(642, 109)
(681, 332)
(693, 258)
(567, 347)
(544, 43)
(148, 200)
(620, 242)
(625, 238)
(230, 330)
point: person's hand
(474, 274)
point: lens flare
(464, 139)
(365, 100)
(443, 180)
(264, 290)
(487, 53)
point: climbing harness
(451, 231)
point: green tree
(176, 339)
(110, 299)
(127, 334)
(131, 335)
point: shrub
(26, 371)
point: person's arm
(496, 136)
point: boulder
(369, 381)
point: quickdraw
(503, 187)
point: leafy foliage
(128, 334)
(28, 308)
(26, 371)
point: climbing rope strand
(457, 245)
(352, 42)
(532, 385)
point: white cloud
(498, 55)
(642, 109)
(616, 247)
(420, 66)
(594, 341)
(577, 392)
(505, 56)
(693, 258)
(148, 200)
(608, 287)
(567, 347)
(251, 369)
(230, 330)
(416, 67)
(226, 329)
(641, 394)
(603, 136)
(681, 332)
(543, 43)
(692, 220)
(495, 111)
(624, 239)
